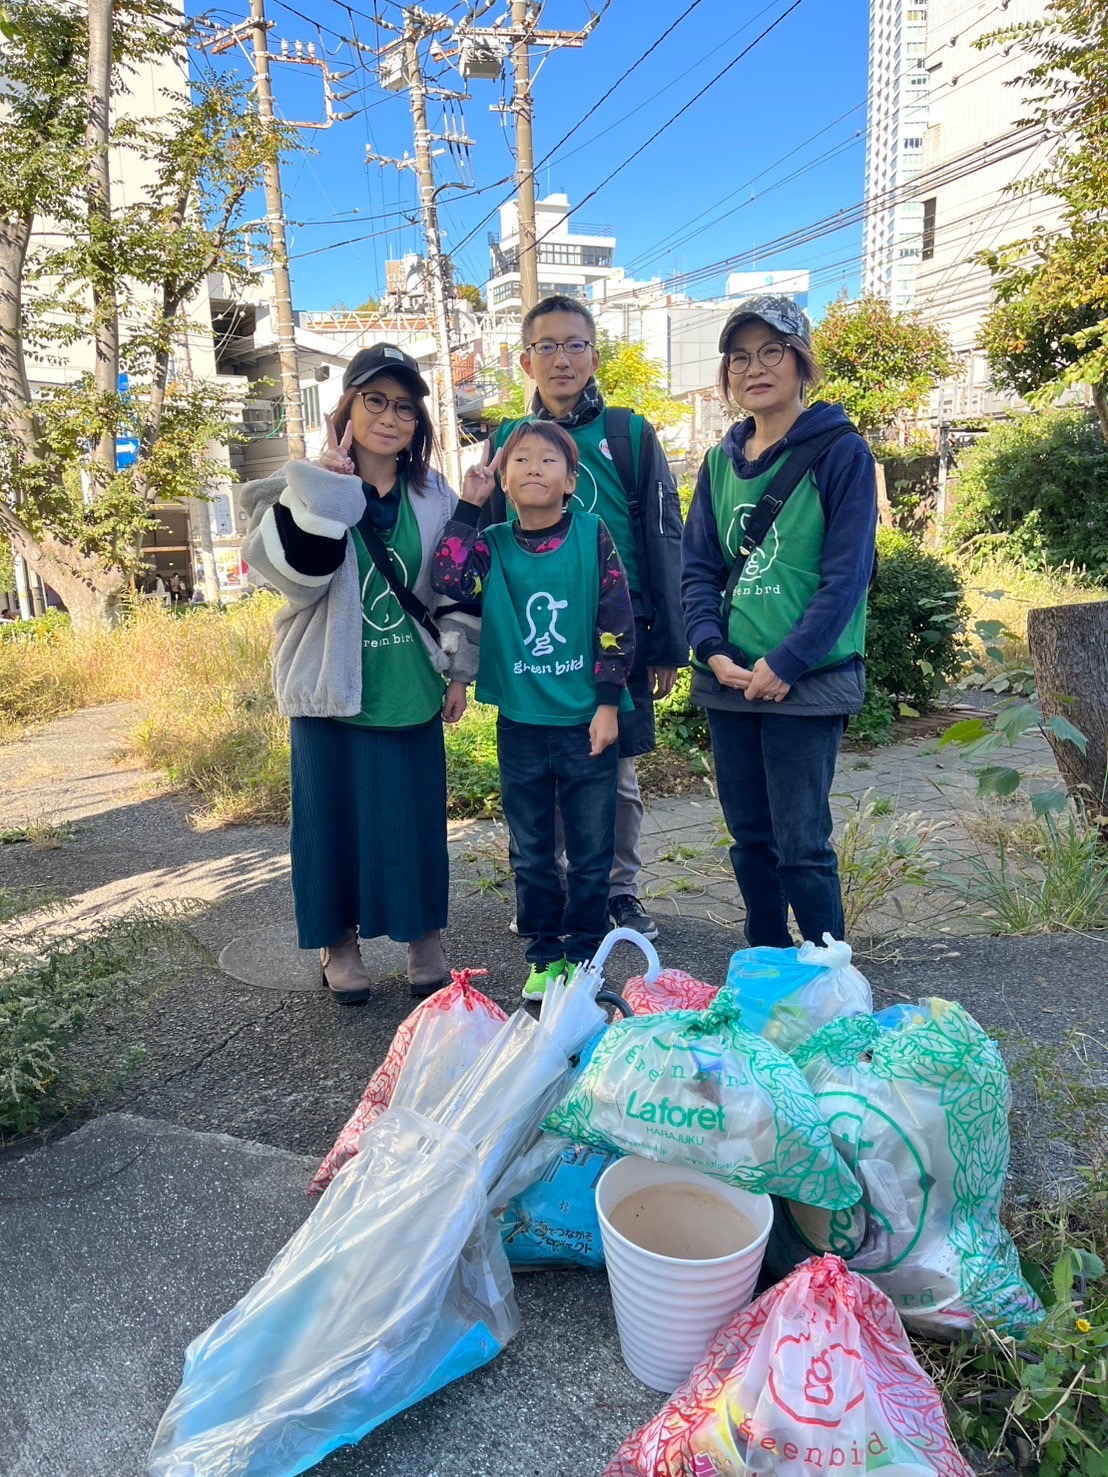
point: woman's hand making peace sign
(335, 456)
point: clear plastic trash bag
(787, 994)
(816, 1375)
(394, 1286)
(443, 1036)
(920, 1112)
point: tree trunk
(90, 592)
(1068, 645)
(99, 197)
(1100, 404)
(15, 392)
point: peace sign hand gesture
(480, 482)
(335, 456)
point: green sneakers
(538, 979)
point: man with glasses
(625, 480)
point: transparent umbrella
(396, 1284)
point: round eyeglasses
(769, 355)
(377, 404)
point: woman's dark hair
(808, 365)
(550, 432)
(414, 462)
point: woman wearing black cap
(367, 666)
(774, 586)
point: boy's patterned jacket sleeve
(615, 624)
(460, 564)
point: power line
(680, 112)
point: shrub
(1036, 483)
(915, 641)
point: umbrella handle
(609, 997)
(628, 936)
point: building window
(913, 143)
(928, 250)
(310, 396)
(915, 17)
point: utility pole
(520, 34)
(98, 194)
(436, 267)
(522, 107)
(275, 217)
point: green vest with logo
(783, 573)
(538, 627)
(599, 490)
(400, 687)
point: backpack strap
(797, 464)
(619, 429)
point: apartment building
(895, 127)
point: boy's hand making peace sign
(480, 482)
(335, 456)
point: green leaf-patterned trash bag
(917, 1102)
(695, 1088)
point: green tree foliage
(1036, 486)
(203, 153)
(915, 641)
(1049, 329)
(880, 364)
(628, 376)
(472, 294)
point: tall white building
(896, 122)
(571, 259)
(973, 153)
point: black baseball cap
(383, 359)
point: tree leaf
(997, 779)
(989, 630)
(965, 732)
(1049, 802)
(1062, 728)
(1016, 719)
(907, 711)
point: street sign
(126, 451)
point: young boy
(557, 645)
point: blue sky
(714, 185)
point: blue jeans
(774, 774)
(540, 766)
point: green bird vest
(538, 627)
(781, 576)
(599, 489)
(400, 687)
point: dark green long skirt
(368, 830)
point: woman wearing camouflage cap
(774, 586)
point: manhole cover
(270, 959)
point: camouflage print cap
(782, 313)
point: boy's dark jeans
(539, 763)
(774, 774)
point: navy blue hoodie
(847, 486)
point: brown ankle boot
(427, 971)
(343, 972)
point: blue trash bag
(788, 994)
(554, 1223)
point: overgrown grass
(1049, 874)
(997, 590)
(53, 987)
(882, 855)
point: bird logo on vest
(544, 639)
(764, 556)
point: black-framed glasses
(377, 404)
(547, 346)
(768, 356)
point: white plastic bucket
(669, 1307)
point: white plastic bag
(696, 1088)
(920, 1112)
(787, 994)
